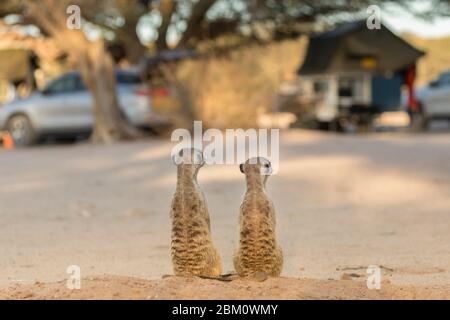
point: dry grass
(233, 91)
(436, 60)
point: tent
(354, 47)
(353, 73)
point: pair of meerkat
(192, 249)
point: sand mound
(112, 287)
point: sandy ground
(124, 288)
(343, 203)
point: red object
(410, 77)
(143, 92)
(160, 92)
(156, 92)
(8, 142)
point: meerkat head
(189, 159)
(257, 168)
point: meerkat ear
(241, 167)
(176, 159)
(199, 157)
(266, 171)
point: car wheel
(419, 120)
(21, 130)
(425, 123)
(425, 120)
(323, 126)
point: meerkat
(258, 252)
(192, 249)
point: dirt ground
(343, 203)
(125, 288)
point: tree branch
(166, 8)
(194, 23)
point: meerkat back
(192, 250)
(258, 250)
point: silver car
(434, 99)
(64, 108)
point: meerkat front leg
(258, 252)
(192, 249)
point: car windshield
(128, 78)
(444, 78)
(66, 83)
(72, 82)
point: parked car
(64, 108)
(434, 99)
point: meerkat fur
(192, 249)
(258, 250)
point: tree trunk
(134, 49)
(97, 69)
(96, 66)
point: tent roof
(343, 48)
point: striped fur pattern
(258, 249)
(192, 249)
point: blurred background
(91, 90)
(230, 63)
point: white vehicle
(64, 109)
(434, 99)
